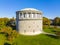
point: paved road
(53, 26)
(49, 34)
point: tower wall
(30, 27)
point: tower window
(24, 31)
(37, 25)
(29, 15)
(33, 30)
(20, 15)
(33, 22)
(38, 15)
(29, 26)
(24, 15)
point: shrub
(58, 34)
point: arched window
(33, 31)
(38, 15)
(37, 25)
(24, 31)
(29, 26)
(24, 15)
(20, 15)
(29, 15)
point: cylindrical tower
(29, 21)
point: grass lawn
(49, 30)
(37, 40)
(2, 39)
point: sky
(50, 8)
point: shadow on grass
(7, 44)
(2, 33)
(52, 36)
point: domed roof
(29, 10)
(32, 9)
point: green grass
(49, 30)
(40, 39)
(2, 39)
(37, 40)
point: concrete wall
(30, 27)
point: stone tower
(29, 21)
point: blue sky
(50, 8)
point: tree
(12, 23)
(46, 21)
(57, 21)
(58, 34)
(10, 34)
(3, 21)
(6, 30)
(6, 20)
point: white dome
(29, 9)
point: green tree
(6, 30)
(12, 23)
(46, 21)
(57, 21)
(3, 21)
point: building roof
(30, 10)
